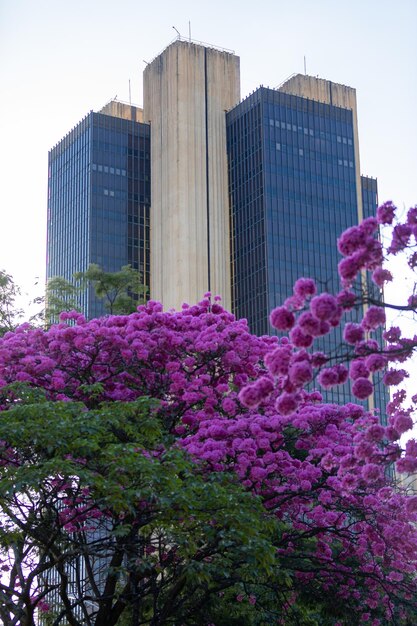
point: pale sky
(60, 59)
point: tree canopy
(121, 291)
(172, 468)
(9, 314)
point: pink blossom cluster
(187, 360)
(361, 250)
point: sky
(60, 59)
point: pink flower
(305, 287)
(353, 333)
(265, 386)
(362, 388)
(294, 303)
(375, 433)
(348, 268)
(369, 225)
(376, 362)
(301, 373)
(391, 434)
(300, 339)
(395, 576)
(240, 597)
(328, 377)
(278, 361)
(385, 213)
(252, 599)
(374, 317)
(309, 325)
(412, 260)
(412, 301)
(411, 504)
(400, 238)
(406, 465)
(229, 406)
(287, 403)
(281, 318)
(402, 422)
(350, 240)
(394, 377)
(324, 306)
(346, 299)
(411, 447)
(258, 473)
(381, 276)
(342, 373)
(253, 394)
(412, 215)
(250, 396)
(349, 482)
(371, 472)
(358, 369)
(392, 335)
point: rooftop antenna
(130, 95)
(147, 62)
(189, 30)
(177, 31)
(305, 66)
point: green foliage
(61, 295)
(9, 314)
(175, 538)
(121, 291)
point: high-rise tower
(295, 185)
(99, 198)
(187, 90)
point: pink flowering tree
(195, 470)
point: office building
(210, 194)
(187, 90)
(99, 198)
(294, 185)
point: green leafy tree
(101, 501)
(121, 291)
(60, 295)
(9, 314)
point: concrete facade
(122, 110)
(187, 90)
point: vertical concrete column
(187, 89)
